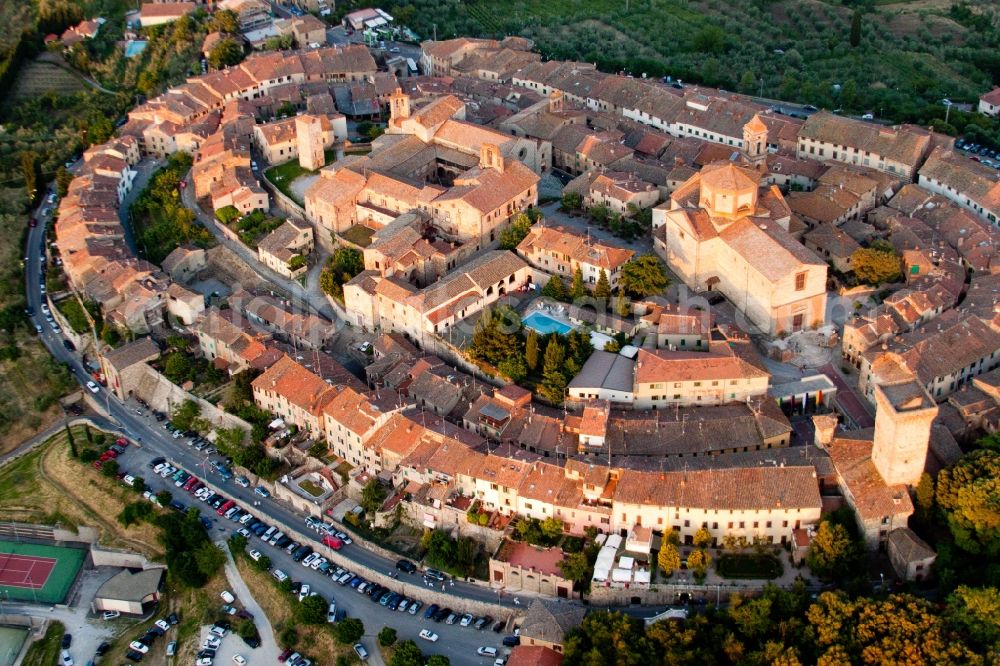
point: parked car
(466, 620)
(428, 635)
(406, 566)
(111, 615)
(487, 651)
(360, 650)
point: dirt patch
(299, 186)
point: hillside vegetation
(902, 59)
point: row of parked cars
(112, 453)
(138, 648)
(982, 154)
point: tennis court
(34, 572)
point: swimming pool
(545, 324)
(134, 47)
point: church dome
(728, 191)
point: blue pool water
(545, 324)
(134, 48)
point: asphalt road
(458, 644)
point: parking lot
(458, 643)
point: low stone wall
(82, 341)
(661, 594)
(110, 557)
(160, 393)
(403, 585)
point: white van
(227, 596)
(266, 536)
(275, 538)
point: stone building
(722, 231)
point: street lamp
(947, 109)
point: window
(800, 281)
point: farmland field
(40, 77)
(909, 55)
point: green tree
(974, 612)
(531, 350)
(895, 630)
(748, 82)
(512, 236)
(387, 636)
(577, 568)
(225, 53)
(407, 654)
(110, 468)
(855, 38)
(698, 561)
(552, 529)
(622, 306)
(577, 289)
(602, 290)
(668, 559)
(237, 543)
(164, 497)
(185, 414)
(555, 289)
(571, 201)
(63, 179)
(343, 265)
(553, 385)
(644, 276)
(832, 552)
(608, 638)
(177, 367)
(209, 558)
(702, 538)
(29, 171)
(438, 660)
(875, 266)
(311, 610)
(349, 630)
(373, 495)
(278, 43)
(224, 20)
(497, 336)
(72, 442)
(514, 368)
(925, 495)
(710, 39)
(967, 495)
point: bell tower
(556, 101)
(755, 141)
(399, 105)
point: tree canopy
(644, 276)
(512, 236)
(967, 494)
(875, 265)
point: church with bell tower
(723, 230)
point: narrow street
(312, 296)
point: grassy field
(910, 55)
(45, 651)
(283, 175)
(48, 486)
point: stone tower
(399, 105)
(903, 415)
(755, 141)
(309, 136)
(556, 101)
